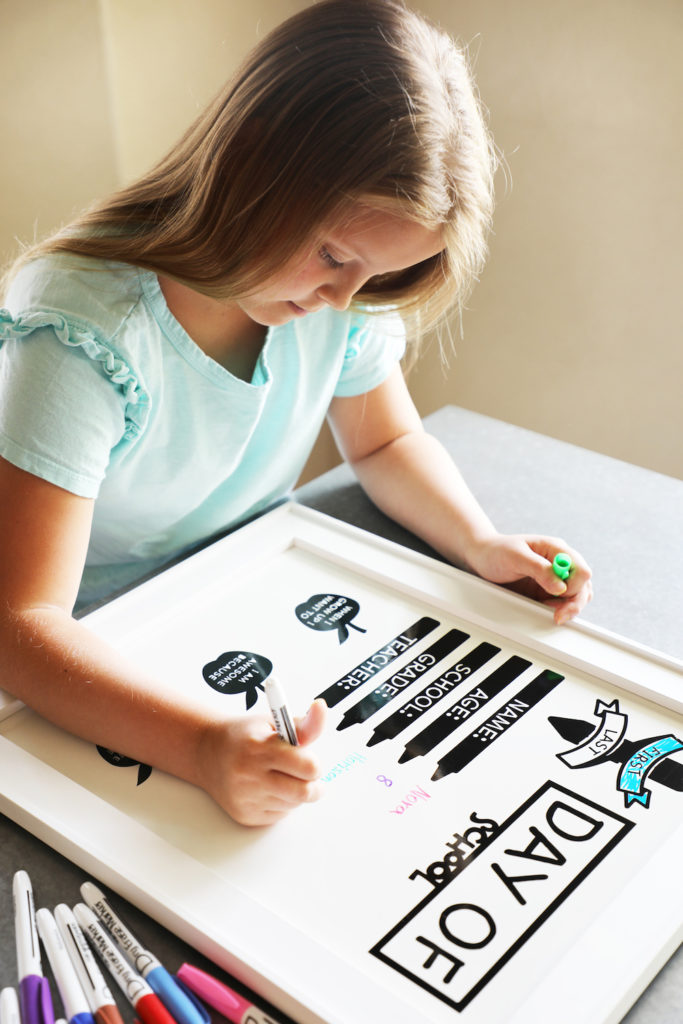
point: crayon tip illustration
(644, 758)
(573, 730)
(407, 755)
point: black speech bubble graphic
(236, 672)
(329, 611)
(121, 761)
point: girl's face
(370, 243)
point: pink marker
(228, 1003)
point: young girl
(167, 361)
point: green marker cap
(562, 565)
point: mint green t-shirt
(103, 393)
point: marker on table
(157, 977)
(34, 990)
(9, 1006)
(70, 989)
(97, 992)
(230, 1004)
(148, 1006)
(562, 565)
(280, 712)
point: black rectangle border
(626, 827)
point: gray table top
(624, 519)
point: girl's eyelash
(329, 258)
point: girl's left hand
(525, 564)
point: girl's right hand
(256, 776)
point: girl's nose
(340, 290)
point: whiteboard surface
(400, 893)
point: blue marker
(176, 1001)
(70, 989)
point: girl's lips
(298, 310)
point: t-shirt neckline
(190, 350)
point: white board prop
(500, 838)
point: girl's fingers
(285, 791)
(566, 608)
(294, 771)
(311, 726)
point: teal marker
(562, 565)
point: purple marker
(34, 989)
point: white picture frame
(321, 914)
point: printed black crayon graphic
(329, 611)
(406, 675)
(120, 761)
(443, 726)
(236, 672)
(374, 663)
(638, 760)
(494, 727)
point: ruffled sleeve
(375, 345)
(85, 337)
(67, 399)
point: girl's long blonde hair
(347, 100)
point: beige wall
(575, 328)
(168, 58)
(57, 148)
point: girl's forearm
(56, 666)
(68, 675)
(416, 483)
